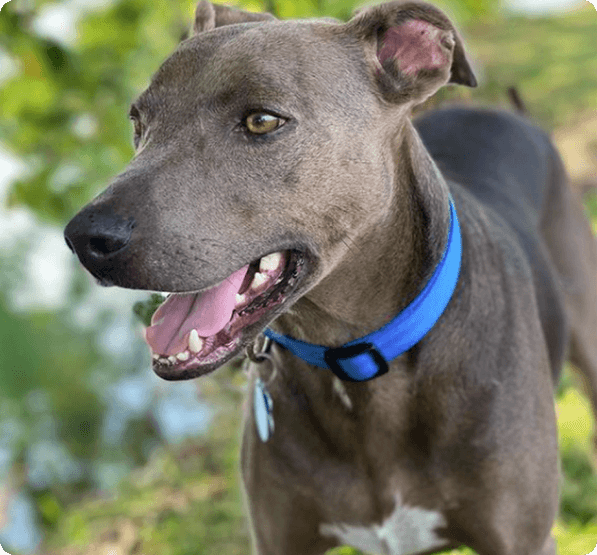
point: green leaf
(144, 310)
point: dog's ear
(209, 16)
(414, 47)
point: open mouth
(192, 334)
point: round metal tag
(262, 407)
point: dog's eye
(260, 123)
(135, 117)
(138, 131)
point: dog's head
(263, 148)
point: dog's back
(512, 168)
(498, 156)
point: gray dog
(419, 285)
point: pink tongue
(206, 312)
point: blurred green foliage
(64, 113)
(185, 501)
(557, 75)
(67, 106)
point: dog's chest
(407, 530)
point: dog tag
(262, 407)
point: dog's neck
(384, 270)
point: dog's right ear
(208, 16)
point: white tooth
(258, 280)
(270, 262)
(183, 356)
(155, 356)
(164, 360)
(172, 359)
(240, 299)
(195, 342)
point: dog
(407, 292)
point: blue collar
(367, 358)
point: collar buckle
(362, 362)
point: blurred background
(98, 456)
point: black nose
(97, 235)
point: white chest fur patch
(407, 530)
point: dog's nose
(97, 235)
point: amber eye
(138, 132)
(261, 123)
(135, 117)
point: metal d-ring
(263, 355)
